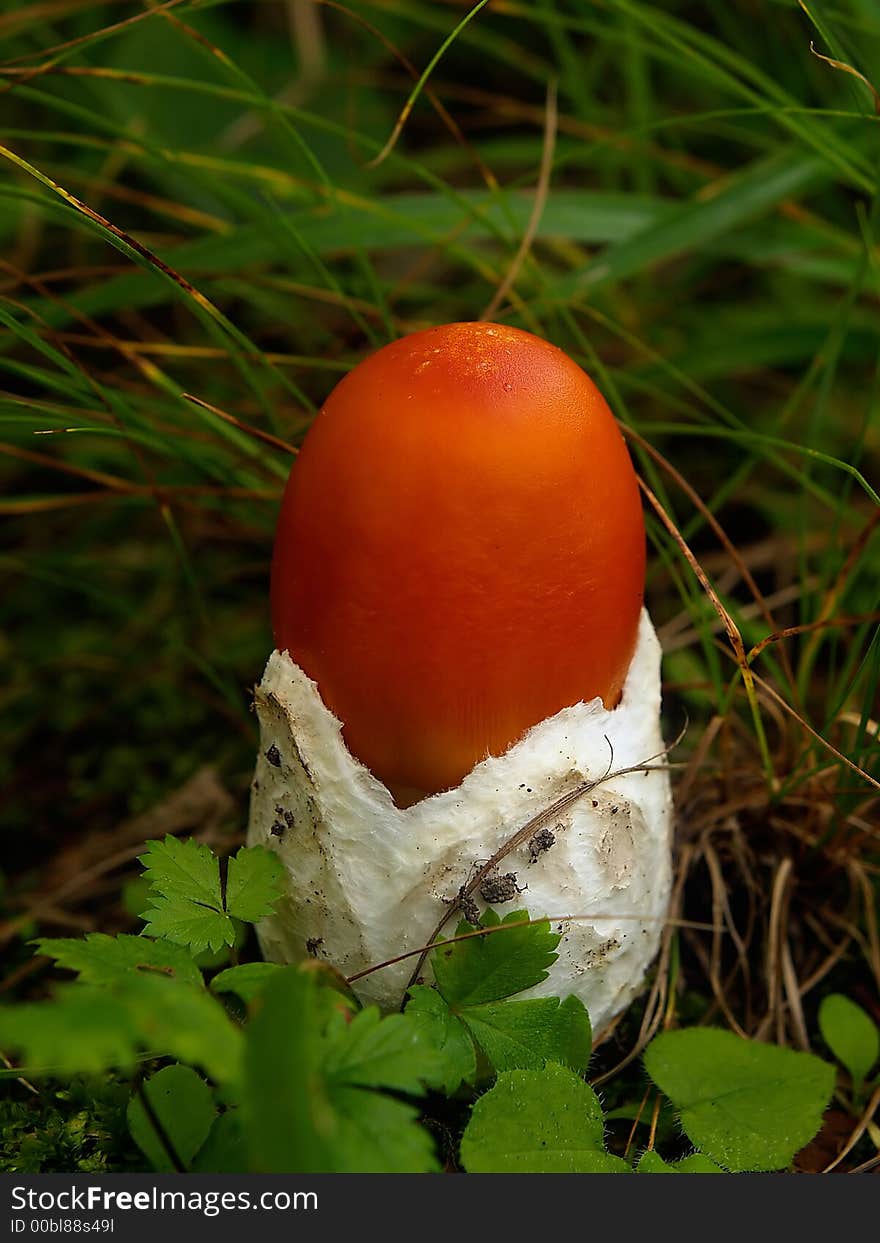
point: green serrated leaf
(99, 1032)
(527, 1034)
(247, 980)
(187, 923)
(538, 1122)
(474, 979)
(183, 868)
(372, 1052)
(446, 1036)
(188, 1024)
(253, 883)
(102, 959)
(490, 968)
(306, 1066)
(851, 1035)
(183, 1105)
(187, 905)
(696, 1163)
(375, 1134)
(748, 1106)
(109, 1027)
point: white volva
(367, 881)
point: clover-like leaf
(188, 904)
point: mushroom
(461, 642)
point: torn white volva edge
(367, 881)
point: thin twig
(528, 830)
(864, 1123)
(424, 950)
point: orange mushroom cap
(460, 551)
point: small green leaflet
(850, 1034)
(100, 959)
(696, 1163)
(184, 1107)
(376, 1134)
(475, 978)
(313, 1080)
(747, 1106)
(527, 1034)
(538, 1122)
(253, 883)
(368, 1051)
(188, 903)
(446, 1035)
(490, 968)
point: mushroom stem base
(368, 881)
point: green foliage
(527, 1034)
(114, 1026)
(77, 1127)
(747, 1106)
(138, 996)
(310, 1082)
(310, 1075)
(490, 968)
(538, 1122)
(181, 1103)
(224, 1151)
(368, 1051)
(446, 1034)
(188, 902)
(98, 1033)
(851, 1035)
(253, 884)
(476, 978)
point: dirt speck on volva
(497, 889)
(543, 840)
